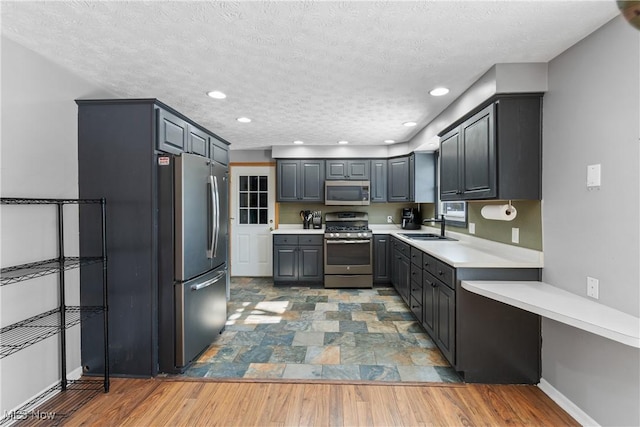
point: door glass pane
(253, 194)
(244, 216)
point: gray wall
(39, 159)
(591, 115)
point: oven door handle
(335, 242)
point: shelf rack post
(105, 313)
(61, 292)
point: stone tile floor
(312, 333)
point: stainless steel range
(348, 250)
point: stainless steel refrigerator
(193, 204)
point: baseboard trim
(75, 374)
(571, 408)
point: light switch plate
(472, 228)
(515, 235)
(593, 287)
(593, 176)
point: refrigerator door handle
(217, 217)
(209, 282)
(210, 249)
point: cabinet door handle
(440, 273)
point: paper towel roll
(499, 212)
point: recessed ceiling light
(343, 142)
(389, 141)
(298, 142)
(409, 124)
(439, 91)
(216, 94)
(244, 119)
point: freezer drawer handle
(208, 282)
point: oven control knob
(348, 234)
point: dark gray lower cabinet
(438, 316)
(381, 259)
(485, 341)
(297, 258)
(401, 268)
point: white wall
(591, 115)
(38, 159)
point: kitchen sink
(425, 236)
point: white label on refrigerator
(163, 161)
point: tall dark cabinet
(119, 143)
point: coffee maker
(411, 219)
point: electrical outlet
(389, 219)
(593, 287)
(515, 235)
(472, 228)
(593, 176)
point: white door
(252, 212)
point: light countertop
(465, 252)
(562, 306)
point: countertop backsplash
(529, 219)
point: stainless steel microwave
(346, 193)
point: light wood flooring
(181, 402)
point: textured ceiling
(315, 71)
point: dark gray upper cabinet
(378, 180)
(218, 151)
(300, 180)
(450, 165)
(356, 170)
(495, 152)
(400, 179)
(172, 133)
(197, 141)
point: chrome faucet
(440, 220)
